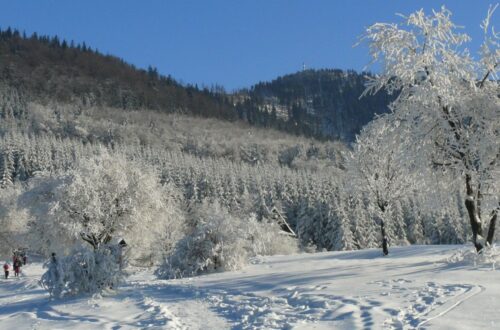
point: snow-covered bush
(83, 271)
(267, 238)
(488, 258)
(214, 244)
(53, 279)
(219, 241)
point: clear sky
(230, 42)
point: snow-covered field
(412, 288)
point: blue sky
(230, 42)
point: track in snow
(340, 290)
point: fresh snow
(413, 287)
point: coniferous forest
(63, 103)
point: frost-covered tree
(379, 170)
(398, 224)
(13, 221)
(413, 219)
(104, 198)
(365, 229)
(448, 99)
(343, 238)
(7, 168)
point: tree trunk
(383, 206)
(475, 220)
(475, 223)
(491, 229)
(477, 230)
(385, 246)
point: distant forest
(324, 104)
(319, 103)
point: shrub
(83, 271)
(219, 241)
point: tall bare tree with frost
(449, 99)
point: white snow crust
(414, 287)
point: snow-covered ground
(412, 288)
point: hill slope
(45, 69)
(319, 103)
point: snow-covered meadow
(414, 287)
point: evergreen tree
(7, 168)
(343, 238)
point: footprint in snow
(424, 301)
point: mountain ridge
(323, 103)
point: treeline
(50, 69)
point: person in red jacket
(6, 268)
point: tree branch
(481, 84)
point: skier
(6, 268)
(25, 259)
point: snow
(415, 286)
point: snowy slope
(413, 287)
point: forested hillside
(320, 103)
(47, 69)
(248, 172)
(323, 104)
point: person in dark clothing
(17, 267)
